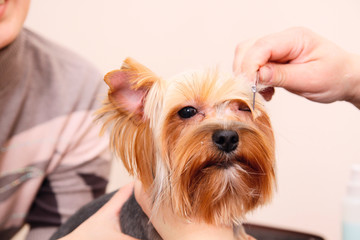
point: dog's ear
(129, 86)
(123, 110)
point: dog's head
(194, 141)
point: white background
(316, 143)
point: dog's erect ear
(129, 86)
(123, 110)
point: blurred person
(52, 160)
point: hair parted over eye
(187, 112)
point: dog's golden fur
(175, 158)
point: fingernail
(265, 74)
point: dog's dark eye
(244, 107)
(187, 112)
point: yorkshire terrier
(195, 143)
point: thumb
(292, 77)
(114, 205)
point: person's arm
(172, 227)
(304, 63)
(104, 224)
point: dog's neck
(172, 227)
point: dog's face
(193, 141)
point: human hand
(173, 227)
(302, 62)
(105, 223)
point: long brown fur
(175, 158)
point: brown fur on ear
(129, 86)
(138, 75)
(123, 110)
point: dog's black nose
(226, 140)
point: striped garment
(52, 160)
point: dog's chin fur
(216, 187)
(175, 158)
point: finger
(240, 51)
(250, 237)
(293, 77)
(142, 198)
(280, 47)
(114, 205)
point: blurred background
(316, 143)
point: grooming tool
(254, 89)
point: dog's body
(193, 141)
